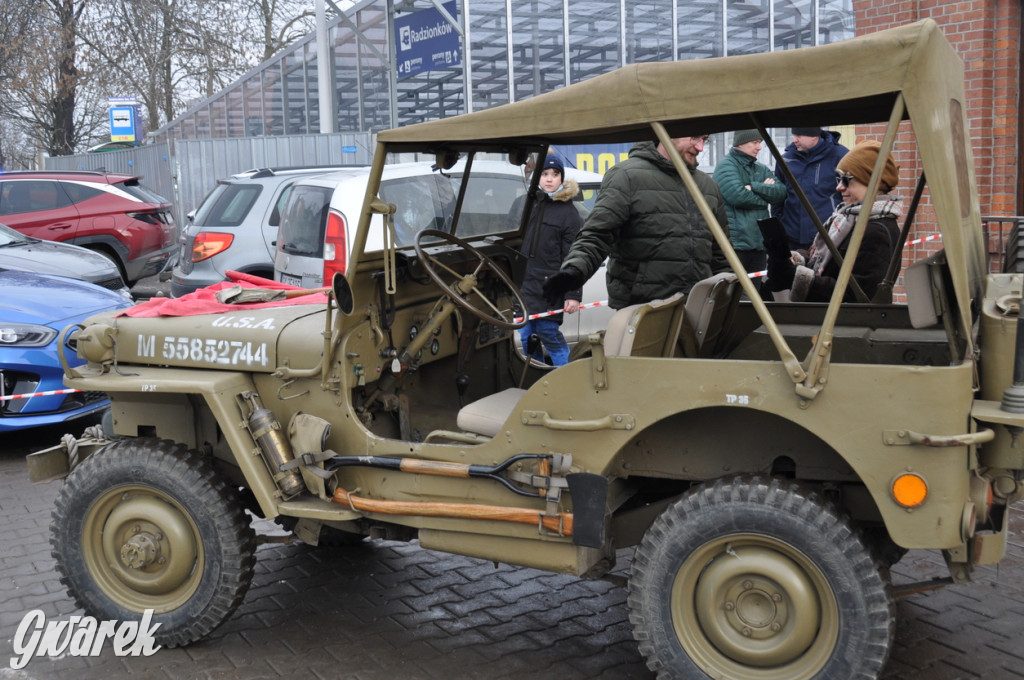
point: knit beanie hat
(741, 137)
(553, 162)
(860, 161)
(807, 131)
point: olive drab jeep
(769, 461)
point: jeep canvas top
(769, 461)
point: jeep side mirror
(342, 293)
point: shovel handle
(560, 523)
(289, 294)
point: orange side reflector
(909, 490)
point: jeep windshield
(907, 89)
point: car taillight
(152, 217)
(335, 247)
(209, 243)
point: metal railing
(1000, 232)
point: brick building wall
(987, 36)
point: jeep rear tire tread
(754, 579)
(146, 524)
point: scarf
(841, 224)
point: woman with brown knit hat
(812, 279)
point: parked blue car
(34, 309)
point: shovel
(237, 295)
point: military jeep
(769, 461)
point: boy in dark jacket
(550, 231)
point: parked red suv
(109, 213)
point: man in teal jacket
(649, 227)
(748, 188)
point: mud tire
(753, 579)
(146, 524)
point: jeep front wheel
(145, 524)
(751, 580)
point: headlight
(25, 335)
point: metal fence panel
(152, 163)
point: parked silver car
(235, 227)
(24, 253)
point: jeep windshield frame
(905, 73)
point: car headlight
(25, 335)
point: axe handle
(561, 523)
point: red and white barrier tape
(753, 275)
(38, 394)
(933, 237)
(541, 315)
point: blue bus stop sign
(426, 41)
(122, 124)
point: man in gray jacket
(649, 227)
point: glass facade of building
(516, 49)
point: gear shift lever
(532, 345)
(462, 384)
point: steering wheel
(459, 290)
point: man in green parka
(748, 187)
(649, 227)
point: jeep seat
(649, 329)
(486, 416)
(710, 308)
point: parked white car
(318, 217)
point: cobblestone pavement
(385, 610)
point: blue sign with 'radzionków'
(426, 41)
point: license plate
(291, 280)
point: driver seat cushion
(486, 416)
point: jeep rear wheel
(145, 524)
(749, 580)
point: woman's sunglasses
(844, 179)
